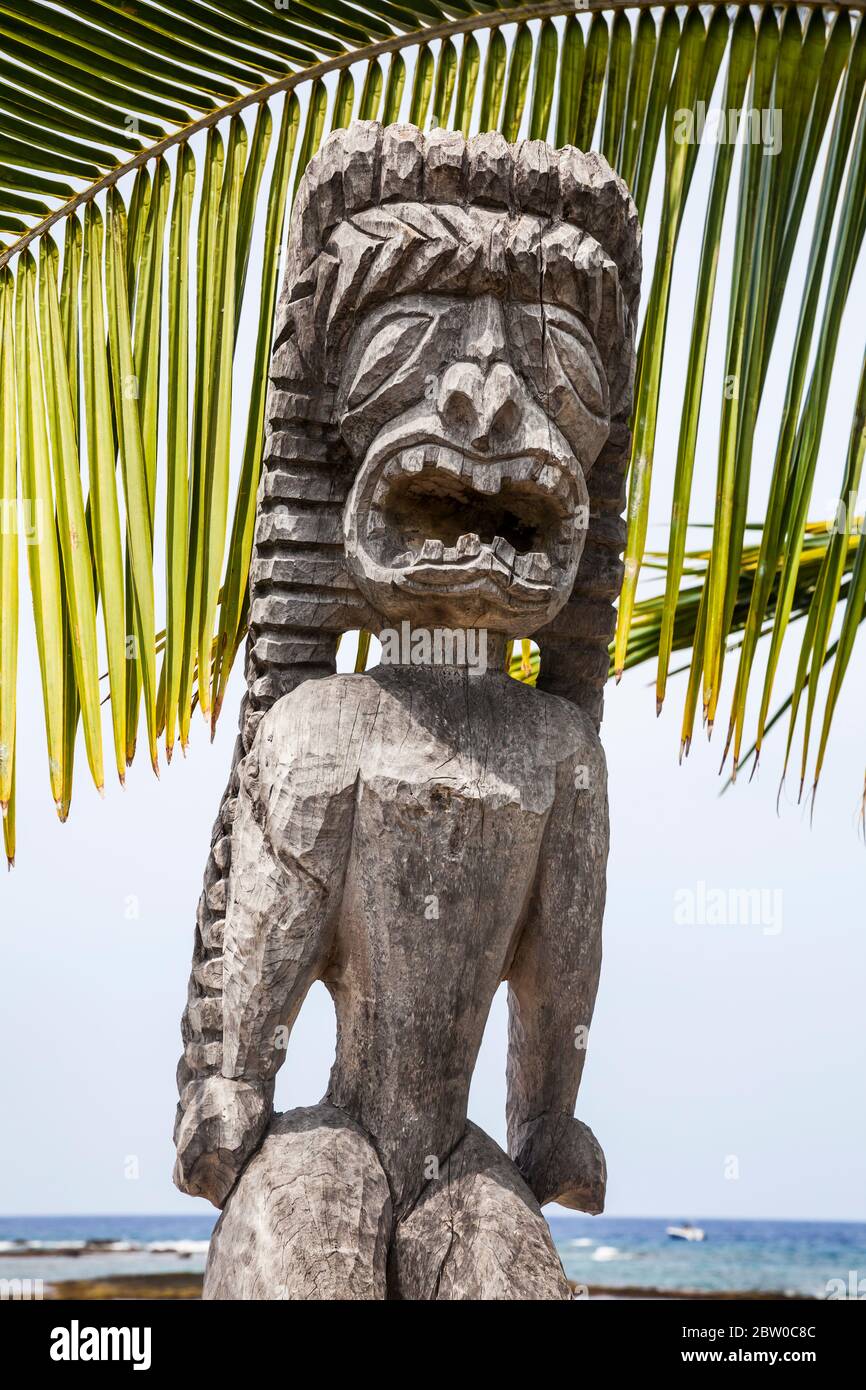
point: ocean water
(600, 1252)
(794, 1257)
(55, 1248)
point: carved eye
(559, 358)
(559, 355)
(388, 350)
(579, 361)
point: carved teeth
(535, 567)
(413, 461)
(563, 489)
(519, 470)
(487, 477)
(503, 551)
(447, 461)
(483, 476)
(469, 545)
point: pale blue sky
(710, 1044)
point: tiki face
(472, 417)
(451, 371)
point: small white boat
(685, 1232)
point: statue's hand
(561, 1160)
(220, 1123)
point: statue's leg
(476, 1232)
(310, 1217)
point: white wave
(609, 1252)
(178, 1247)
(97, 1246)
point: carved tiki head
(451, 385)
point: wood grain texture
(476, 1233)
(310, 1218)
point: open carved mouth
(443, 518)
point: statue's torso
(442, 785)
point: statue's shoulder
(317, 716)
(570, 732)
(320, 694)
(306, 753)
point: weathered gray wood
(220, 1121)
(476, 1232)
(447, 439)
(310, 1218)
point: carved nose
(483, 406)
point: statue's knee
(310, 1217)
(476, 1232)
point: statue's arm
(290, 838)
(552, 985)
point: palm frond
(829, 580)
(166, 139)
(830, 577)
